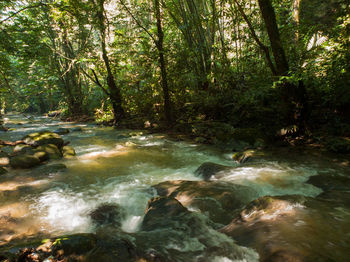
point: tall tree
(159, 43)
(269, 16)
(113, 90)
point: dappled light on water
(118, 167)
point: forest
(174, 130)
(267, 65)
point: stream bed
(306, 216)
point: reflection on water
(113, 167)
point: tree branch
(138, 22)
(21, 10)
(263, 47)
(96, 81)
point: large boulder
(68, 152)
(220, 201)
(52, 151)
(24, 161)
(160, 210)
(210, 170)
(276, 226)
(170, 232)
(43, 138)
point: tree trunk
(114, 92)
(268, 14)
(159, 44)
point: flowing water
(112, 167)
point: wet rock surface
(107, 213)
(210, 170)
(221, 201)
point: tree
(113, 91)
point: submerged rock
(330, 182)
(43, 138)
(68, 152)
(24, 161)
(209, 170)
(107, 213)
(220, 201)
(76, 129)
(62, 131)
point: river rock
(42, 155)
(43, 138)
(61, 131)
(159, 210)
(76, 129)
(107, 213)
(210, 170)
(221, 201)
(266, 223)
(242, 157)
(52, 151)
(68, 152)
(173, 233)
(23, 149)
(24, 161)
(330, 182)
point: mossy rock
(52, 151)
(22, 148)
(68, 152)
(24, 161)
(42, 155)
(43, 138)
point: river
(120, 166)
